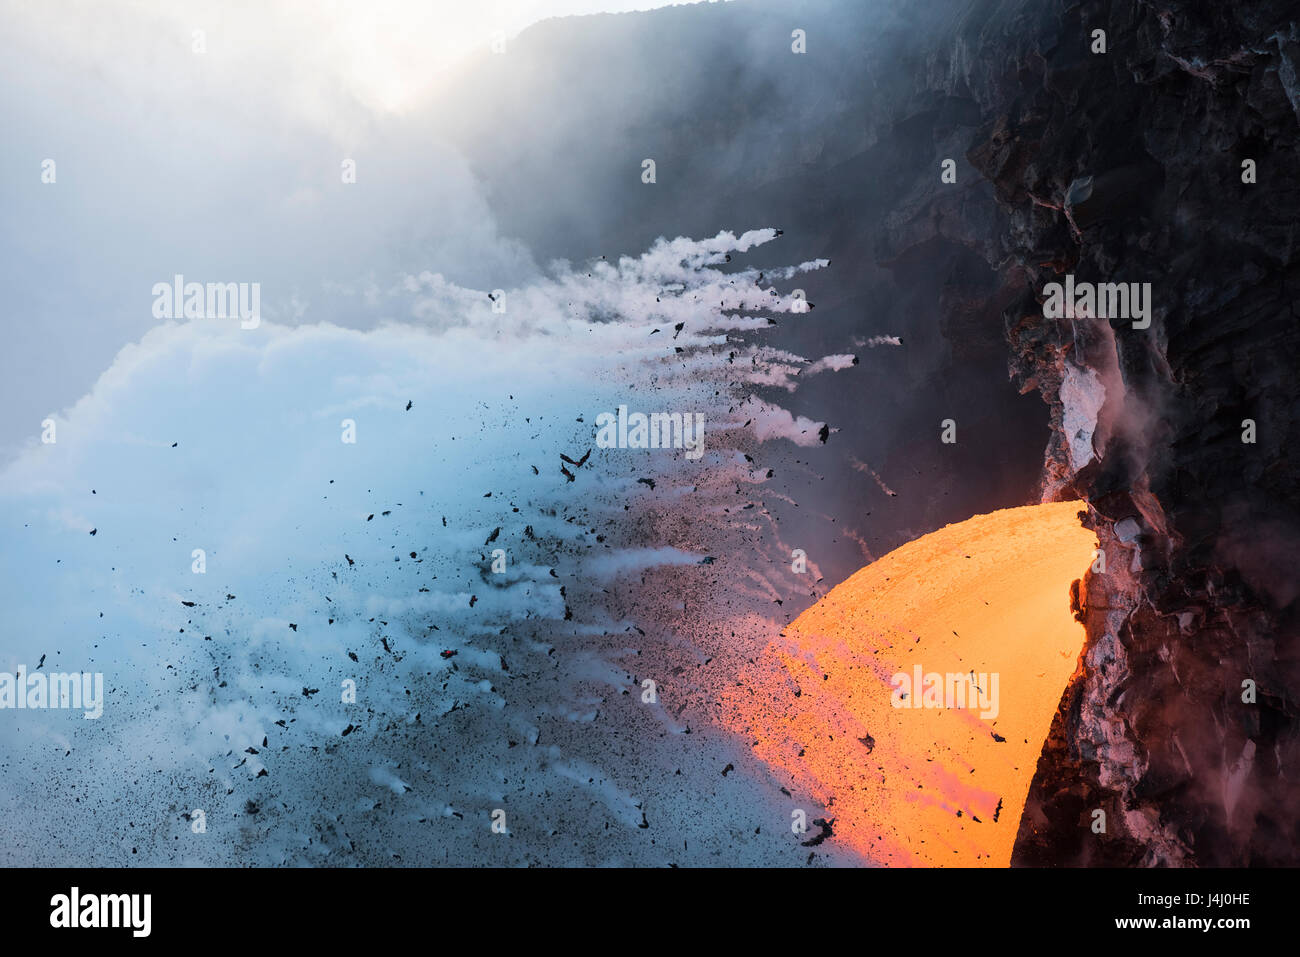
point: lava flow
(934, 774)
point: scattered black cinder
(825, 832)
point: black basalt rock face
(1170, 158)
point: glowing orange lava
(934, 774)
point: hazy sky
(206, 139)
(386, 53)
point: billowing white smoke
(326, 561)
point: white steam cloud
(327, 562)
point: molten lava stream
(935, 783)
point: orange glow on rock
(986, 603)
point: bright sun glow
(393, 52)
(314, 56)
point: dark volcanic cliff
(1127, 166)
